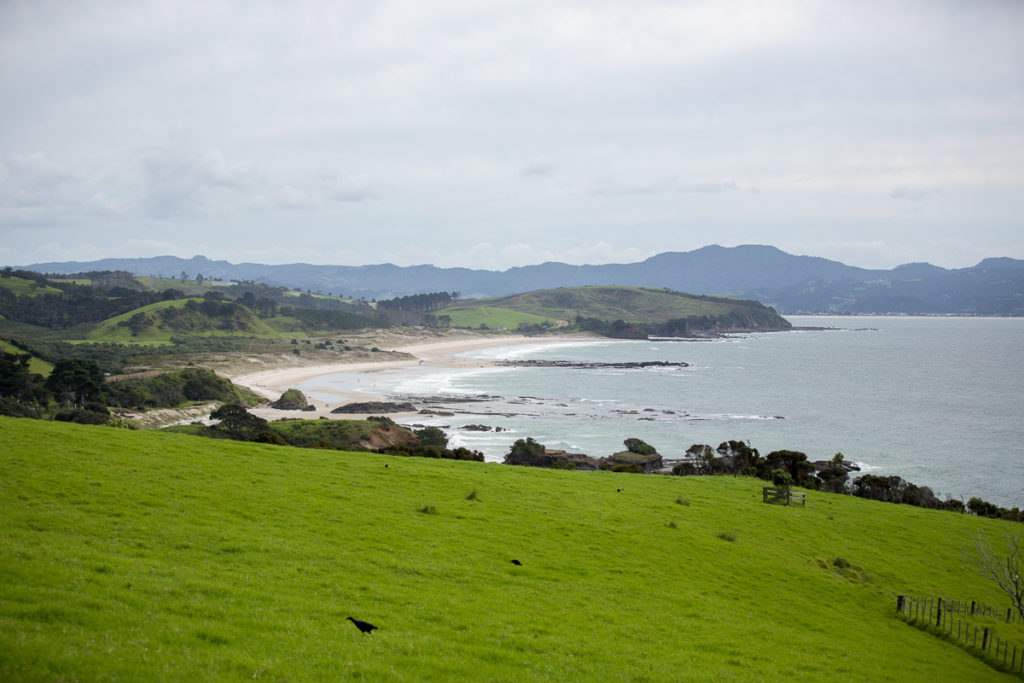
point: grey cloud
(673, 186)
(248, 112)
(913, 194)
(34, 180)
(538, 169)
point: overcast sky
(496, 134)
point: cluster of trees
(114, 293)
(785, 467)
(171, 389)
(76, 390)
(418, 302)
(73, 392)
(74, 305)
(237, 423)
(433, 443)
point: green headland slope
(153, 556)
(659, 311)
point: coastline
(433, 354)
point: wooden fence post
(899, 604)
(938, 618)
(984, 638)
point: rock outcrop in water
(376, 407)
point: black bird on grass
(364, 626)
(517, 563)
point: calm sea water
(937, 401)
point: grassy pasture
(492, 316)
(22, 286)
(36, 364)
(113, 330)
(631, 304)
(156, 556)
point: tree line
(418, 302)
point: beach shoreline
(428, 352)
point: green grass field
(495, 318)
(115, 330)
(631, 304)
(36, 364)
(22, 286)
(153, 556)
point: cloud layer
(500, 134)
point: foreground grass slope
(153, 556)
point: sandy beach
(434, 354)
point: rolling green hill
(36, 364)
(181, 317)
(660, 311)
(24, 287)
(154, 556)
(494, 317)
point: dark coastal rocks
(822, 465)
(439, 413)
(591, 365)
(481, 428)
(375, 407)
(552, 459)
(293, 399)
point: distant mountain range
(792, 284)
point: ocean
(938, 401)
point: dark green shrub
(83, 416)
(432, 436)
(782, 479)
(527, 447)
(684, 469)
(639, 447)
(628, 467)
(271, 438)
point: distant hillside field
(153, 556)
(789, 283)
(634, 305)
(166, 319)
(23, 287)
(36, 365)
(494, 317)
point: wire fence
(953, 618)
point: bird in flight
(364, 626)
